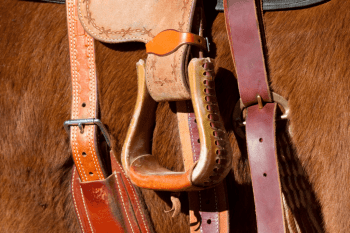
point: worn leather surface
(242, 22)
(209, 210)
(246, 48)
(102, 205)
(278, 4)
(109, 205)
(260, 130)
(84, 97)
(215, 158)
(142, 168)
(115, 21)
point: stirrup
(215, 158)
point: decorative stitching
(92, 68)
(74, 201)
(121, 195)
(191, 133)
(74, 69)
(75, 150)
(102, 30)
(92, 149)
(92, 99)
(200, 207)
(216, 209)
(135, 196)
(74, 73)
(184, 8)
(87, 214)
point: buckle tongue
(88, 121)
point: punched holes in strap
(260, 130)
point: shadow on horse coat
(308, 60)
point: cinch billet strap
(244, 35)
(84, 96)
(102, 204)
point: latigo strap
(246, 46)
(103, 202)
(209, 209)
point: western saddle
(104, 193)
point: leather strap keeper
(102, 205)
(168, 41)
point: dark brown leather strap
(260, 130)
(244, 36)
(244, 33)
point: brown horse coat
(309, 65)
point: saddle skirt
(116, 21)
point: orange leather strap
(103, 203)
(170, 40)
(109, 205)
(84, 95)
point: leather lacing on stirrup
(214, 161)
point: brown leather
(168, 41)
(142, 168)
(260, 130)
(141, 20)
(242, 22)
(102, 205)
(84, 96)
(209, 210)
(215, 157)
(246, 47)
(138, 20)
(109, 205)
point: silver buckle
(90, 121)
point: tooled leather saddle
(105, 196)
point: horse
(308, 65)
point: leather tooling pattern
(107, 32)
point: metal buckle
(89, 121)
(237, 119)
